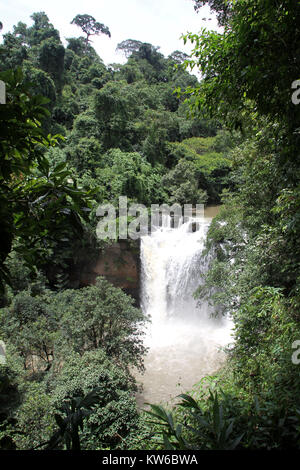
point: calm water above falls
(184, 341)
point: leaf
(188, 402)
(158, 412)
(236, 442)
(91, 398)
(61, 166)
(60, 422)
(167, 443)
(68, 441)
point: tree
(131, 174)
(238, 64)
(51, 59)
(179, 57)
(183, 184)
(114, 414)
(129, 46)
(102, 316)
(13, 51)
(242, 87)
(71, 342)
(31, 324)
(76, 410)
(113, 112)
(248, 70)
(222, 8)
(37, 202)
(41, 29)
(151, 62)
(43, 86)
(90, 26)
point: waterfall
(183, 338)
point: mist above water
(184, 340)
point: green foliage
(221, 415)
(114, 414)
(75, 409)
(253, 242)
(77, 319)
(129, 173)
(209, 163)
(51, 59)
(86, 154)
(88, 322)
(222, 8)
(40, 30)
(204, 428)
(112, 112)
(90, 26)
(39, 205)
(129, 46)
(20, 136)
(132, 107)
(18, 149)
(123, 127)
(184, 184)
(13, 52)
(41, 85)
(71, 343)
(30, 324)
(238, 64)
(34, 418)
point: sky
(158, 22)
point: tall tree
(41, 29)
(129, 46)
(90, 26)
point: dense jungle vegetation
(76, 133)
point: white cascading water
(184, 340)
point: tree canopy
(90, 26)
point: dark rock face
(119, 263)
